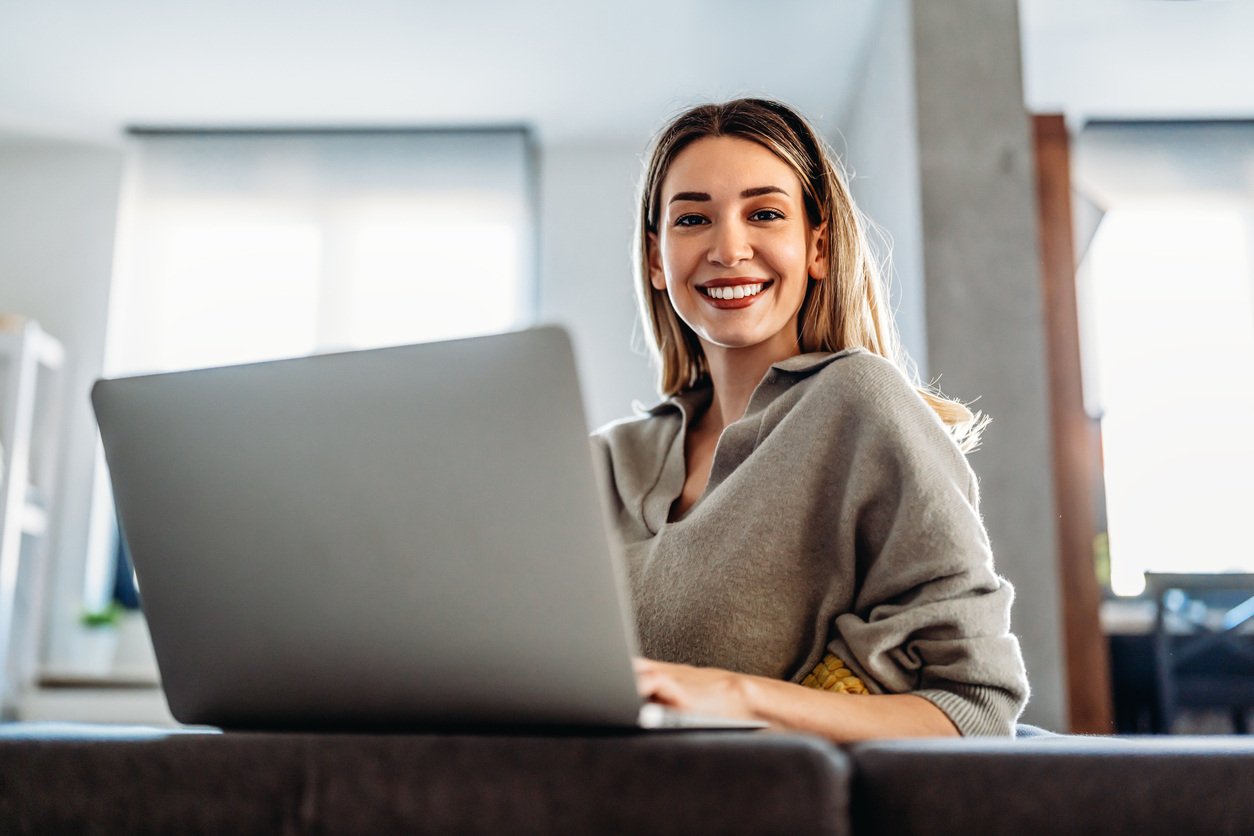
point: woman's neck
(734, 374)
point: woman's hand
(842, 718)
(710, 691)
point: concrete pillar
(985, 332)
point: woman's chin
(748, 341)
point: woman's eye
(689, 220)
(766, 215)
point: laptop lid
(402, 536)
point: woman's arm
(841, 718)
(930, 616)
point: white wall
(881, 153)
(58, 210)
(587, 211)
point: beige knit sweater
(839, 517)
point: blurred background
(1064, 189)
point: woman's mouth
(737, 295)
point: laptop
(394, 538)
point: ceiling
(1139, 59)
(1170, 84)
(571, 69)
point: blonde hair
(848, 309)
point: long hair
(847, 310)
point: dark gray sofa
(67, 780)
(99, 780)
(1060, 784)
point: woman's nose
(730, 245)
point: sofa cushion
(1055, 784)
(669, 782)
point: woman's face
(734, 250)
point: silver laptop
(401, 537)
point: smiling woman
(799, 521)
(744, 246)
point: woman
(800, 524)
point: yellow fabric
(831, 675)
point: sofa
(95, 779)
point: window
(1173, 304)
(249, 246)
(244, 246)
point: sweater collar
(691, 401)
(804, 365)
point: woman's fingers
(655, 684)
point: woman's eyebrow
(756, 191)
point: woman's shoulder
(856, 377)
(633, 429)
(637, 449)
(864, 395)
(644, 435)
(653, 425)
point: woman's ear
(657, 277)
(817, 263)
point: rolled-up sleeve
(931, 615)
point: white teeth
(739, 291)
